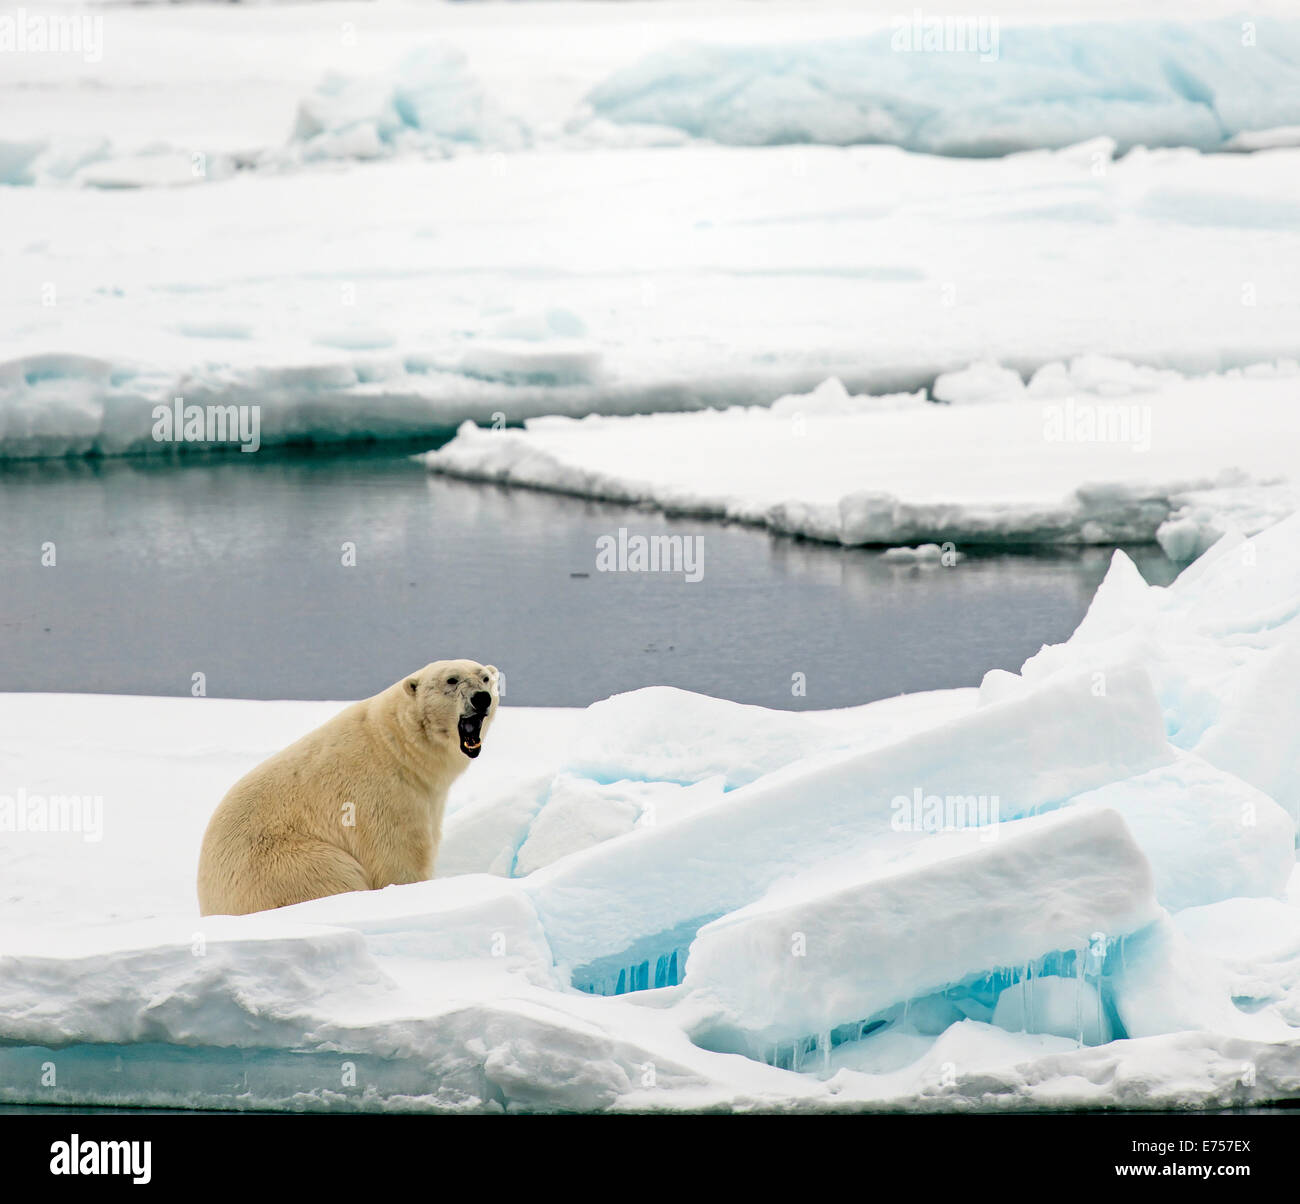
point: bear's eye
(451, 681)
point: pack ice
(1096, 450)
(1070, 887)
(739, 275)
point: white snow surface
(1093, 451)
(405, 297)
(1073, 887)
(380, 220)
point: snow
(1093, 451)
(665, 734)
(1207, 834)
(468, 917)
(1051, 892)
(362, 82)
(1242, 931)
(1217, 646)
(653, 755)
(1249, 736)
(618, 905)
(236, 102)
(1072, 887)
(580, 813)
(980, 382)
(730, 275)
(379, 222)
(221, 983)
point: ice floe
(1071, 888)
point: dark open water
(232, 567)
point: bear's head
(454, 703)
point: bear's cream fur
(356, 804)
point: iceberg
(966, 86)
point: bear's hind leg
(288, 870)
(312, 869)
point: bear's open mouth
(470, 730)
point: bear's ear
(493, 670)
(412, 684)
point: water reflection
(238, 567)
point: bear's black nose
(481, 700)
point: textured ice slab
(580, 813)
(1255, 734)
(654, 755)
(831, 946)
(643, 896)
(1207, 834)
(1098, 452)
(670, 735)
(1244, 931)
(471, 916)
(221, 980)
(1166, 985)
(965, 86)
(1220, 646)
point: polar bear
(356, 804)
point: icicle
(1079, 981)
(1101, 1013)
